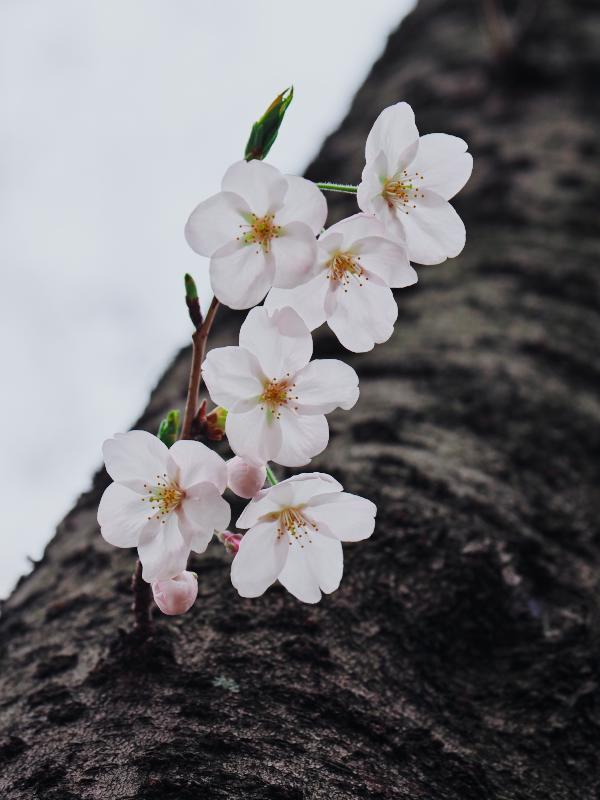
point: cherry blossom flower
(245, 479)
(276, 399)
(259, 231)
(295, 533)
(176, 595)
(163, 501)
(356, 267)
(407, 182)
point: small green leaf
(265, 130)
(168, 430)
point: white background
(116, 118)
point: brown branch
(198, 351)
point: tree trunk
(459, 659)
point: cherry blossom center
(344, 267)
(260, 231)
(164, 496)
(293, 523)
(277, 393)
(401, 190)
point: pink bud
(245, 479)
(231, 541)
(176, 595)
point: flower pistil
(164, 497)
(260, 231)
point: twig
(199, 338)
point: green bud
(265, 130)
(191, 300)
(215, 424)
(168, 430)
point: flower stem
(142, 601)
(271, 476)
(347, 188)
(199, 338)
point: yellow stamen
(260, 231)
(294, 524)
(401, 190)
(164, 496)
(343, 267)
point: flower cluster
(263, 233)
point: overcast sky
(116, 118)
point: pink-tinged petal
(241, 277)
(351, 229)
(368, 193)
(230, 541)
(202, 512)
(122, 514)
(434, 231)
(308, 300)
(394, 132)
(163, 550)
(176, 595)
(233, 377)
(280, 341)
(304, 202)
(261, 185)
(387, 259)
(324, 385)
(216, 222)
(134, 458)
(347, 517)
(193, 462)
(298, 577)
(254, 435)
(259, 560)
(245, 479)
(328, 243)
(443, 162)
(326, 561)
(362, 316)
(290, 492)
(295, 254)
(302, 437)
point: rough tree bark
(459, 660)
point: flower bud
(245, 479)
(176, 595)
(265, 130)
(231, 541)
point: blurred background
(116, 119)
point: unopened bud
(265, 130)
(231, 541)
(245, 479)
(214, 424)
(176, 595)
(168, 430)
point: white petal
(202, 512)
(362, 316)
(254, 435)
(242, 277)
(295, 254)
(261, 185)
(233, 377)
(358, 226)
(215, 222)
(134, 458)
(291, 492)
(326, 561)
(304, 202)
(387, 259)
(394, 132)
(368, 193)
(444, 163)
(259, 560)
(298, 577)
(434, 231)
(194, 462)
(122, 514)
(280, 341)
(163, 550)
(325, 384)
(347, 517)
(308, 300)
(302, 437)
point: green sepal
(265, 130)
(168, 430)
